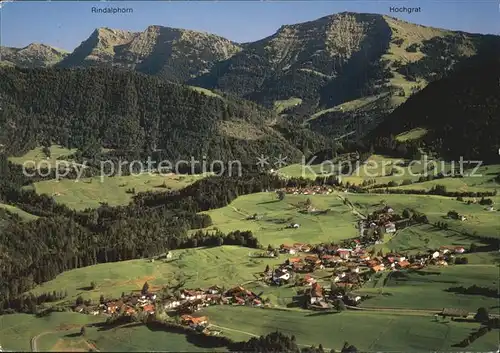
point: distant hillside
(128, 111)
(455, 116)
(174, 54)
(340, 58)
(34, 55)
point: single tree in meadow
(482, 315)
(145, 288)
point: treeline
(29, 303)
(435, 190)
(475, 290)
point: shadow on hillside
(197, 339)
(266, 202)
(86, 288)
(323, 313)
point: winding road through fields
(34, 340)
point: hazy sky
(67, 24)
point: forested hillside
(131, 112)
(458, 115)
(63, 239)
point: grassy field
(36, 155)
(413, 134)
(367, 331)
(479, 220)
(190, 268)
(91, 192)
(427, 289)
(425, 237)
(482, 180)
(23, 214)
(59, 332)
(337, 224)
(378, 169)
(281, 105)
(204, 91)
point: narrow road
(353, 209)
(34, 339)
(423, 312)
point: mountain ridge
(326, 63)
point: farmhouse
(190, 294)
(316, 293)
(402, 264)
(390, 227)
(194, 321)
(287, 249)
(149, 308)
(281, 275)
(344, 253)
(455, 312)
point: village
(326, 277)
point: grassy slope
(90, 192)
(281, 105)
(36, 155)
(16, 330)
(204, 91)
(23, 214)
(190, 268)
(428, 291)
(435, 207)
(413, 134)
(336, 225)
(367, 331)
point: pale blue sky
(67, 24)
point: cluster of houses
(311, 190)
(127, 305)
(186, 302)
(379, 222)
(352, 264)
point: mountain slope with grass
(347, 70)
(171, 53)
(456, 116)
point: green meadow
(413, 134)
(91, 192)
(190, 268)
(426, 289)
(281, 105)
(479, 220)
(368, 331)
(37, 155)
(16, 210)
(275, 215)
